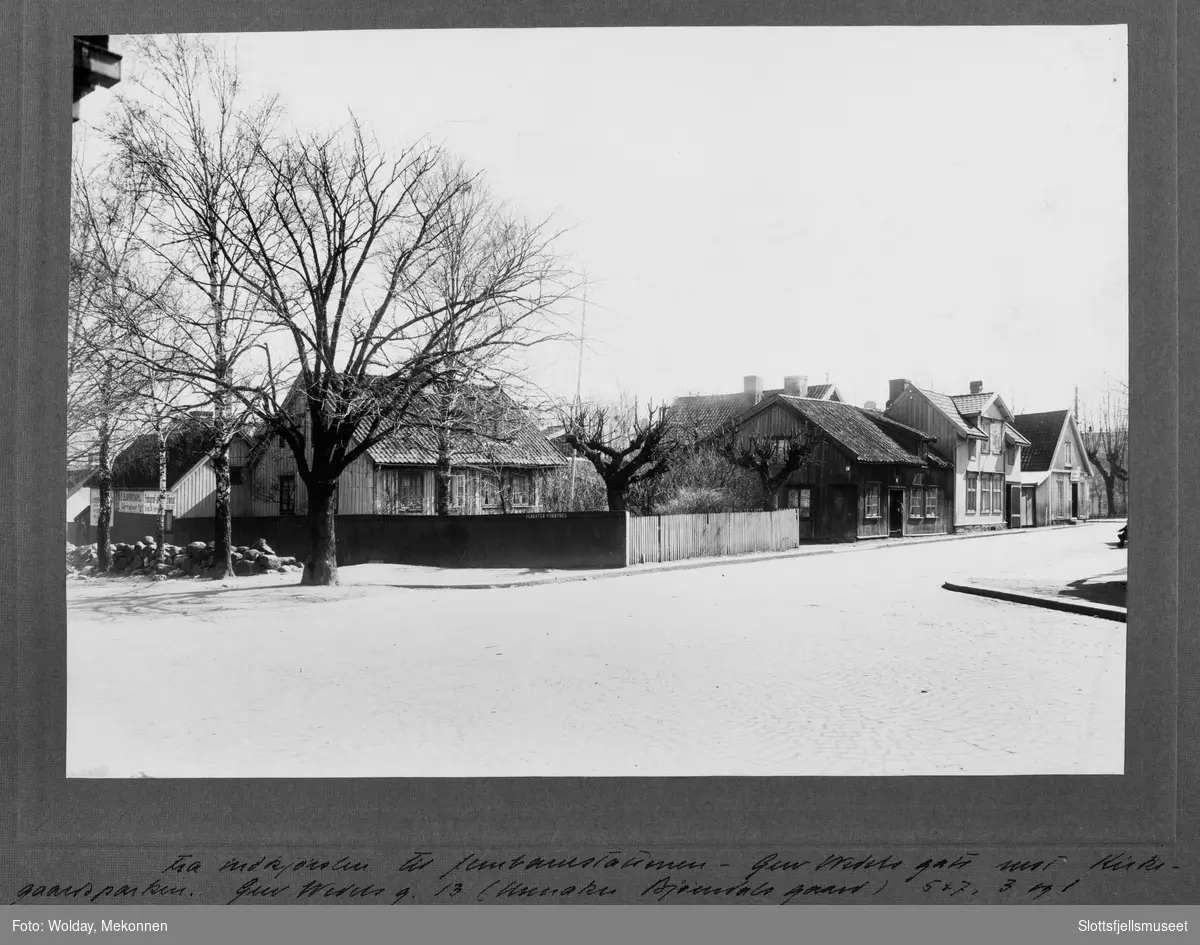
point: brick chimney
(976, 387)
(796, 385)
(752, 388)
(895, 389)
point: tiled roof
(515, 441)
(947, 406)
(704, 414)
(882, 419)
(853, 430)
(820, 391)
(970, 405)
(1042, 430)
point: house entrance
(895, 513)
(1027, 507)
(843, 513)
(1074, 500)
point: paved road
(847, 664)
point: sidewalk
(1103, 595)
(424, 578)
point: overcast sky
(940, 204)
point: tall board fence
(653, 538)
(543, 540)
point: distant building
(701, 415)
(1056, 468)
(977, 432)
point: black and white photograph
(605, 403)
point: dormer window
(1067, 455)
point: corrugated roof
(514, 440)
(851, 429)
(1042, 430)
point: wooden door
(843, 513)
(1027, 506)
(895, 513)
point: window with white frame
(781, 449)
(916, 502)
(972, 449)
(520, 489)
(997, 495)
(1060, 497)
(972, 490)
(874, 490)
(931, 502)
(491, 492)
(1067, 455)
(400, 491)
(805, 502)
(995, 433)
(985, 496)
(458, 490)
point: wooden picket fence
(652, 538)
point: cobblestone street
(853, 663)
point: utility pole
(578, 387)
(1077, 405)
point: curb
(1104, 611)
(878, 544)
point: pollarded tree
(1106, 441)
(772, 459)
(625, 446)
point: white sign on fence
(131, 502)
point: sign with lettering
(1075, 475)
(131, 502)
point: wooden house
(498, 469)
(1056, 474)
(977, 432)
(871, 476)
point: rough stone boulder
(261, 545)
(267, 563)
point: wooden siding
(832, 469)
(914, 410)
(676, 537)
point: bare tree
(489, 291)
(625, 446)
(110, 289)
(1106, 441)
(772, 459)
(184, 128)
(344, 250)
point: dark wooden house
(871, 477)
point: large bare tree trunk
(104, 481)
(222, 537)
(321, 568)
(160, 536)
(616, 496)
(442, 476)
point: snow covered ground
(852, 663)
